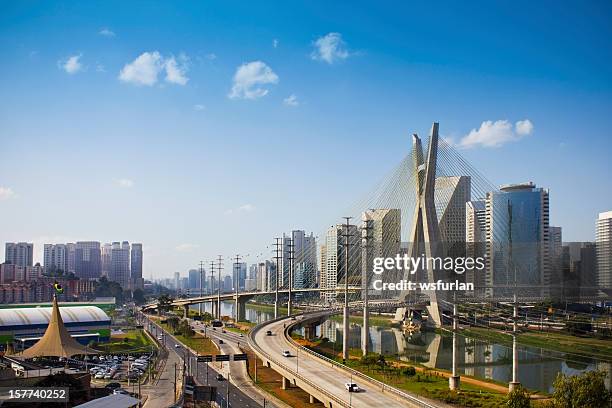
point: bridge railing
(383, 387)
(259, 350)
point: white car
(177, 346)
(99, 376)
(286, 353)
(352, 387)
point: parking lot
(119, 367)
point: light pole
(219, 267)
(201, 285)
(345, 311)
(236, 284)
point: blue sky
(205, 128)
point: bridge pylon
(424, 239)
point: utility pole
(219, 267)
(212, 287)
(365, 263)
(236, 284)
(291, 258)
(515, 381)
(228, 386)
(345, 310)
(453, 381)
(201, 285)
(277, 258)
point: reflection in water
(537, 367)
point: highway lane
(321, 373)
(239, 375)
(237, 398)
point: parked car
(219, 377)
(99, 376)
(113, 385)
(121, 391)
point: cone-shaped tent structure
(56, 342)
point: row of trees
(587, 390)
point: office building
(19, 253)
(87, 263)
(120, 263)
(136, 267)
(517, 233)
(452, 193)
(603, 242)
(475, 238)
(335, 258)
(381, 233)
(106, 260)
(194, 278)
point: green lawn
(199, 343)
(132, 340)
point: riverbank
(564, 343)
(416, 379)
(375, 320)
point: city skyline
(148, 117)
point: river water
(538, 368)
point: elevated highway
(323, 379)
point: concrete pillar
(213, 309)
(310, 331)
(241, 310)
(285, 384)
(185, 311)
(313, 400)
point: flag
(58, 288)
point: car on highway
(160, 337)
(220, 341)
(286, 353)
(177, 346)
(219, 377)
(223, 331)
(241, 335)
(352, 387)
(269, 333)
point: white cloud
(125, 183)
(105, 32)
(175, 72)
(330, 48)
(186, 247)
(72, 64)
(145, 69)
(495, 134)
(249, 78)
(291, 100)
(100, 68)
(211, 56)
(199, 107)
(524, 127)
(245, 208)
(275, 43)
(6, 193)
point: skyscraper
(55, 258)
(517, 230)
(120, 263)
(603, 241)
(305, 260)
(452, 193)
(87, 259)
(20, 253)
(335, 268)
(106, 259)
(475, 238)
(194, 278)
(382, 232)
(136, 267)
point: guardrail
(383, 387)
(259, 350)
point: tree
(518, 398)
(185, 329)
(587, 390)
(173, 322)
(163, 303)
(138, 296)
(106, 288)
